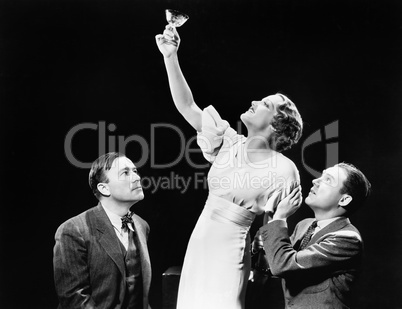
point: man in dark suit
(101, 258)
(319, 261)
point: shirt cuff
(284, 220)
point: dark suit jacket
(320, 276)
(88, 262)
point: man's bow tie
(125, 220)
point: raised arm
(168, 44)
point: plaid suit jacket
(89, 270)
(321, 275)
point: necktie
(133, 265)
(307, 236)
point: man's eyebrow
(128, 169)
(327, 174)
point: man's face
(124, 182)
(326, 191)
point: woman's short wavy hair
(288, 125)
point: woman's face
(261, 113)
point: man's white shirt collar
(115, 219)
(323, 223)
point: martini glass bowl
(175, 18)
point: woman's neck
(257, 148)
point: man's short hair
(99, 167)
(356, 185)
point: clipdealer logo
(108, 142)
(329, 135)
(119, 143)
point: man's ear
(103, 188)
(345, 200)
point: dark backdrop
(93, 65)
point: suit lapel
(300, 231)
(332, 227)
(145, 261)
(108, 238)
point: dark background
(65, 63)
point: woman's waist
(224, 211)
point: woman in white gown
(248, 177)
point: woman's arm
(168, 44)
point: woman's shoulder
(212, 122)
(286, 166)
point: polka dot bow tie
(125, 220)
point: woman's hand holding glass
(168, 42)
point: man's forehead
(336, 172)
(122, 163)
